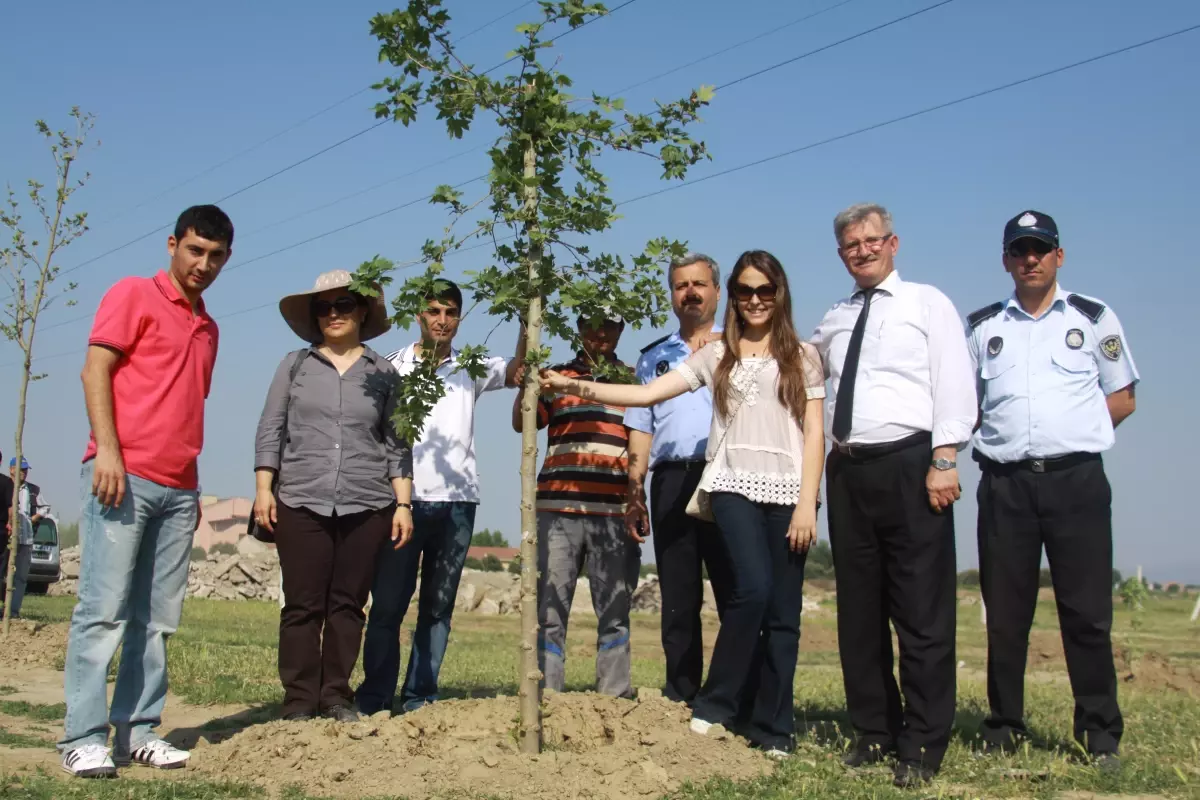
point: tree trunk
(10, 569)
(530, 730)
(30, 315)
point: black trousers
(683, 545)
(893, 558)
(328, 564)
(1069, 512)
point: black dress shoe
(342, 714)
(911, 775)
(298, 716)
(866, 756)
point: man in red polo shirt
(148, 371)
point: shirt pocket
(1000, 379)
(1072, 362)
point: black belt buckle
(1038, 465)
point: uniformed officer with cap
(1055, 378)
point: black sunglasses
(764, 292)
(343, 305)
(1023, 247)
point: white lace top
(764, 446)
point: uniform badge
(995, 345)
(661, 368)
(1074, 338)
(1111, 347)
(1027, 221)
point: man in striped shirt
(581, 505)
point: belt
(868, 451)
(1038, 465)
(686, 464)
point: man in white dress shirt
(902, 405)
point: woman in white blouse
(766, 449)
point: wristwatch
(944, 464)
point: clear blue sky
(1108, 149)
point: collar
(163, 281)
(367, 353)
(409, 354)
(1013, 306)
(890, 284)
(677, 336)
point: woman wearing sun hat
(333, 483)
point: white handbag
(700, 505)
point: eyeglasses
(764, 292)
(872, 243)
(343, 305)
(1021, 248)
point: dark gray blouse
(342, 450)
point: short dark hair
(207, 222)
(445, 291)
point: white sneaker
(89, 761)
(156, 753)
(700, 726)
(776, 754)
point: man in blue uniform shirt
(1055, 378)
(670, 438)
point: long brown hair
(785, 344)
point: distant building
(222, 520)
(506, 555)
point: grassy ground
(225, 653)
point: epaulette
(654, 344)
(1089, 308)
(985, 313)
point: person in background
(765, 452)
(446, 495)
(148, 372)
(669, 439)
(903, 405)
(29, 509)
(6, 493)
(580, 511)
(1056, 378)
(344, 484)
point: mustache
(693, 300)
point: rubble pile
(252, 573)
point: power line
(813, 145)
(832, 45)
(317, 154)
(730, 48)
(508, 13)
(409, 204)
(295, 125)
(912, 115)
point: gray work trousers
(566, 542)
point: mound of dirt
(596, 746)
(33, 644)
(1155, 671)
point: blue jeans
(441, 536)
(749, 684)
(131, 585)
(24, 557)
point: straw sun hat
(297, 309)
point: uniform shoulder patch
(654, 344)
(1091, 309)
(985, 313)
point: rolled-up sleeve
(399, 451)
(951, 377)
(274, 416)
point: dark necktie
(843, 410)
